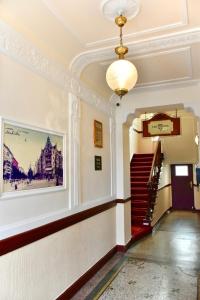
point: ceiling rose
(113, 8)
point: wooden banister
(156, 160)
(153, 181)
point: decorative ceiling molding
(180, 82)
(137, 34)
(152, 54)
(113, 8)
(15, 46)
(137, 48)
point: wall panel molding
(16, 47)
(150, 45)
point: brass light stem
(121, 50)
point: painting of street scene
(32, 159)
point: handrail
(152, 184)
(156, 159)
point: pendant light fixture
(121, 75)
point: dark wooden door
(182, 187)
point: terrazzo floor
(162, 266)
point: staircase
(140, 171)
(145, 173)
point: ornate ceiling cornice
(15, 46)
(137, 48)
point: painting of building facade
(32, 159)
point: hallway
(163, 266)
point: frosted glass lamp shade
(121, 76)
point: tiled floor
(163, 266)
(177, 240)
(141, 279)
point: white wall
(30, 99)
(133, 141)
(165, 175)
(182, 148)
(46, 268)
(126, 154)
(94, 184)
(187, 95)
(163, 203)
(196, 198)
(164, 197)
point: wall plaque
(162, 125)
(98, 134)
(97, 163)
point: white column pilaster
(123, 223)
(113, 155)
(74, 150)
(119, 162)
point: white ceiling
(163, 39)
(85, 20)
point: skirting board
(124, 248)
(69, 293)
(161, 217)
(75, 287)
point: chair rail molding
(22, 51)
(141, 47)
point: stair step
(138, 190)
(140, 167)
(140, 196)
(139, 209)
(139, 217)
(138, 212)
(143, 155)
(141, 164)
(137, 220)
(135, 174)
(140, 173)
(142, 159)
(138, 184)
(139, 205)
(139, 179)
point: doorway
(182, 187)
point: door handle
(191, 185)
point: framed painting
(98, 134)
(32, 159)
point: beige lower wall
(163, 203)
(196, 197)
(45, 269)
(127, 225)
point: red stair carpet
(140, 168)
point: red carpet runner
(140, 168)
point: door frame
(190, 171)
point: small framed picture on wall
(98, 134)
(97, 163)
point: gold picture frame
(98, 134)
